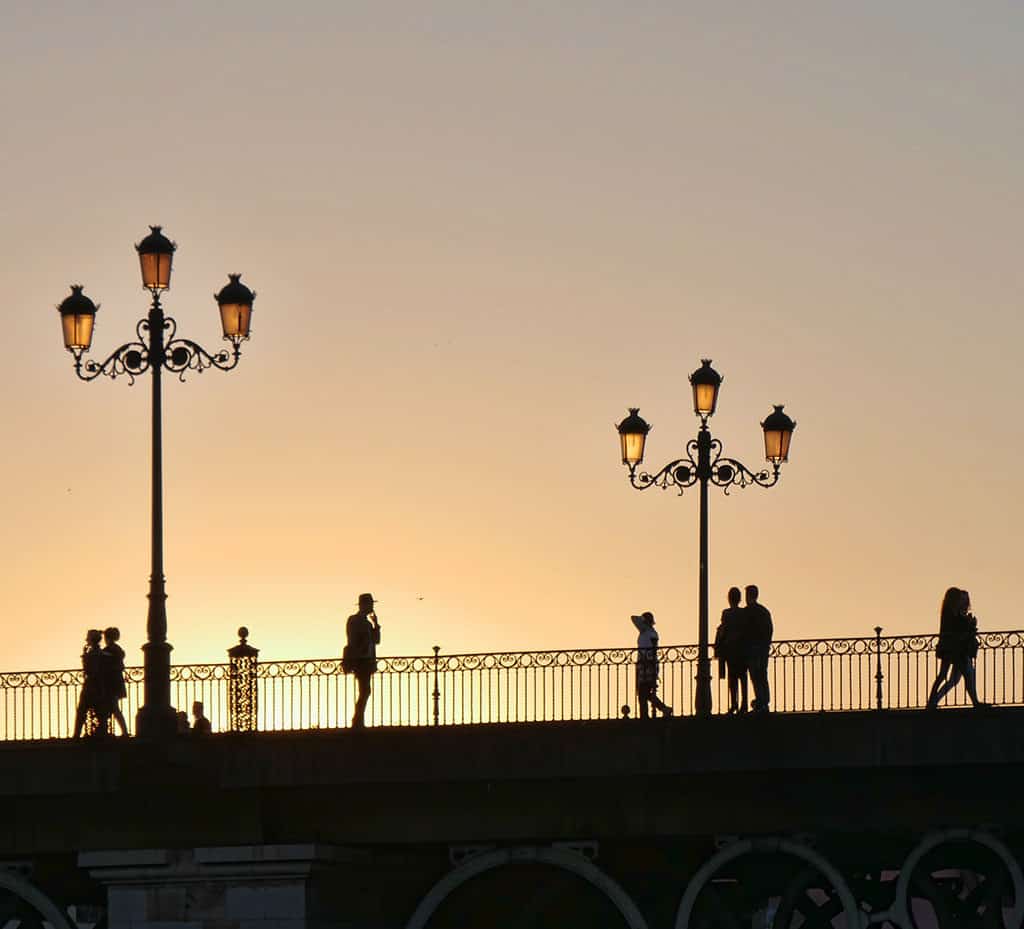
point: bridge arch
(556, 857)
(770, 846)
(42, 904)
(940, 837)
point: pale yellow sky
(478, 233)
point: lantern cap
(156, 243)
(77, 304)
(234, 292)
(634, 423)
(778, 421)
(705, 374)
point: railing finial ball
(243, 634)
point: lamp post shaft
(156, 715)
(702, 703)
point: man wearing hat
(362, 633)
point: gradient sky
(478, 232)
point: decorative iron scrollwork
(722, 472)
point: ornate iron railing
(806, 676)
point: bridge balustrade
(806, 675)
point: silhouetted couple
(362, 636)
(200, 724)
(647, 667)
(103, 682)
(743, 642)
(957, 647)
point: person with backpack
(362, 636)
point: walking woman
(957, 647)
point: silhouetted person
(731, 652)
(757, 633)
(181, 723)
(113, 656)
(957, 647)
(94, 686)
(647, 666)
(200, 724)
(362, 635)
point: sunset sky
(478, 233)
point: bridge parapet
(872, 672)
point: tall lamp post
(704, 464)
(157, 347)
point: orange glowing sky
(478, 232)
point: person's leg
(119, 717)
(80, 713)
(954, 679)
(933, 698)
(643, 693)
(766, 691)
(362, 697)
(970, 679)
(759, 678)
(657, 703)
(734, 687)
(743, 691)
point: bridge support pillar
(244, 887)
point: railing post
(243, 698)
(879, 677)
(437, 689)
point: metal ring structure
(557, 857)
(24, 889)
(767, 846)
(902, 914)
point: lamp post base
(156, 722)
(702, 701)
(156, 718)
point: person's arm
(638, 621)
(376, 629)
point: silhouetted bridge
(886, 818)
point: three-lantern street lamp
(704, 464)
(157, 347)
